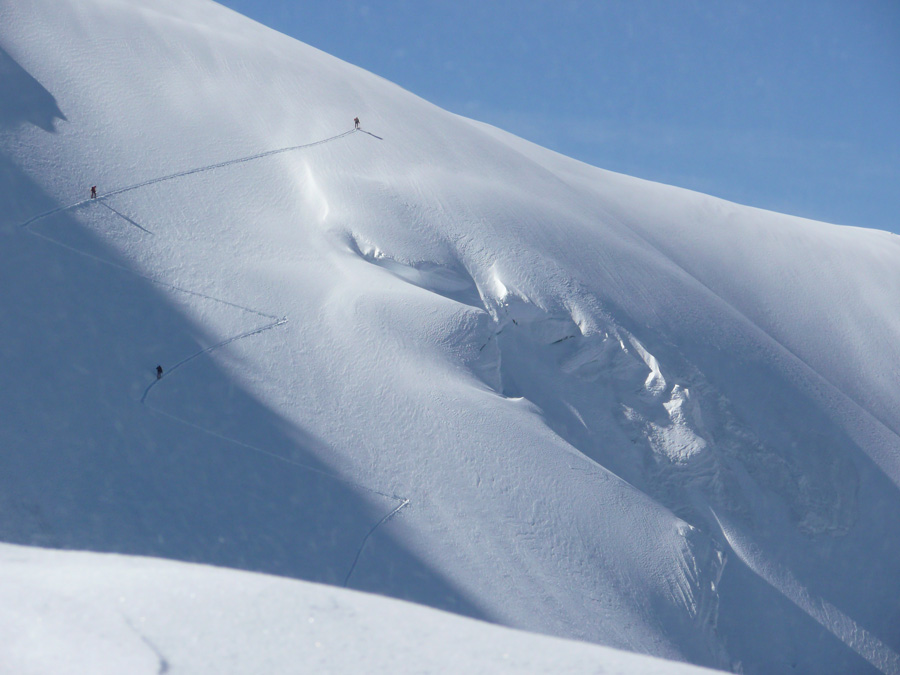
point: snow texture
(65, 612)
(428, 359)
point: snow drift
(429, 359)
(92, 613)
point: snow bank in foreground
(66, 612)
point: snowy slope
(428, 359)
(90, 613)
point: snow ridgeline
(82, 612)
(620, 412)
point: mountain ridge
(474, 334)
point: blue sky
(789, 105)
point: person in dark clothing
(158, 372)
(94, 192)
(356, 123)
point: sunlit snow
(424, 359)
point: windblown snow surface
(428, 359)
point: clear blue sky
(789, 105)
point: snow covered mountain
(429, 359)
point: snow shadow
(810, 500)
(699, 428)
(86, 466)
(450, 281)
(31, 104)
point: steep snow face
(429, 359)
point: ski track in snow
(126, 218)
(369, 534)
(276, 322)
(207, 350)
(162, 661)
(280, 458)
(182, 174)
(153, 280)
(832, 619)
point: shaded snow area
(424, 359)
(65, 612)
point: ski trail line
(273, 455)
(226, 341)
(299, 465)
(274, 323)
(832, 619)
(126, 218)
(158, 282)
(163, 663)
(181, 174)
(369, 534)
